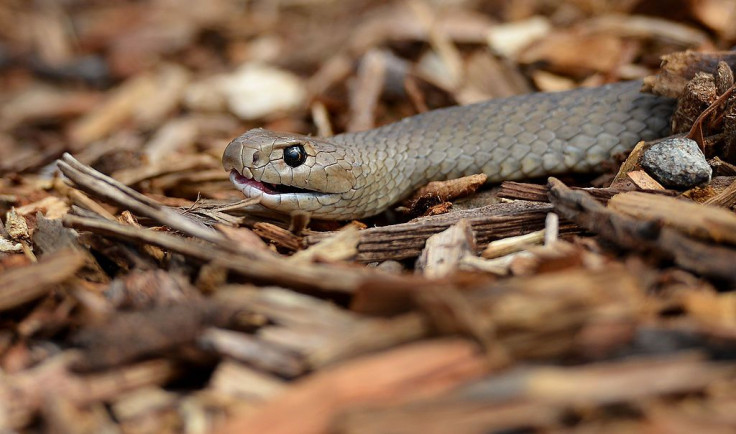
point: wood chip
(436, 366)
(437, 192)
(509, 245)
(643, 180)
(24, 284)
(708, 223)
(368, 87)
(339, 247)
(113, 112)
(192, 309)
(489, 223)
(443, 251)
(725, 199)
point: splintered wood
(140, 292)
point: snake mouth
(242, 183)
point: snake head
(289, 172)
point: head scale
(291, 172)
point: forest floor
(137, 294)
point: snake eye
(295, 155)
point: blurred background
(152, 91)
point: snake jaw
(247, 186)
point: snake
(360, 174)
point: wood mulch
(138, 295)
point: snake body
(356, 175)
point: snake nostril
(256, 157)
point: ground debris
(439, 192)
(140, 293)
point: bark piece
(444, 251)
(537, 397)
(644, 181)
(436, 366)
(108, 189)
(704, 222)
(700, 92)
(523, 191)
(253, 263)
(277, 235)
(539, 192)
(491, 222)
(445, 415)
(255, 352)
(126, 337)
(631, 164)
(241, 381)
(437, 192)
(342, 246)
(23, 284)
(567, 52)
(511, 245)
(642, 235)
(725, 199)
(24, 394)
(680, 67)
(609, 382)
(367, 90)
(113, 112)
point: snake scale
(355, 175)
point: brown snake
(356, 175)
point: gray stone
(676, 163)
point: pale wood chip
(339, 247)
(643, 180)
(366, 91)
(631, 163)
(443, 251)
(506, 246)
(244, 382)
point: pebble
(677, 163)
